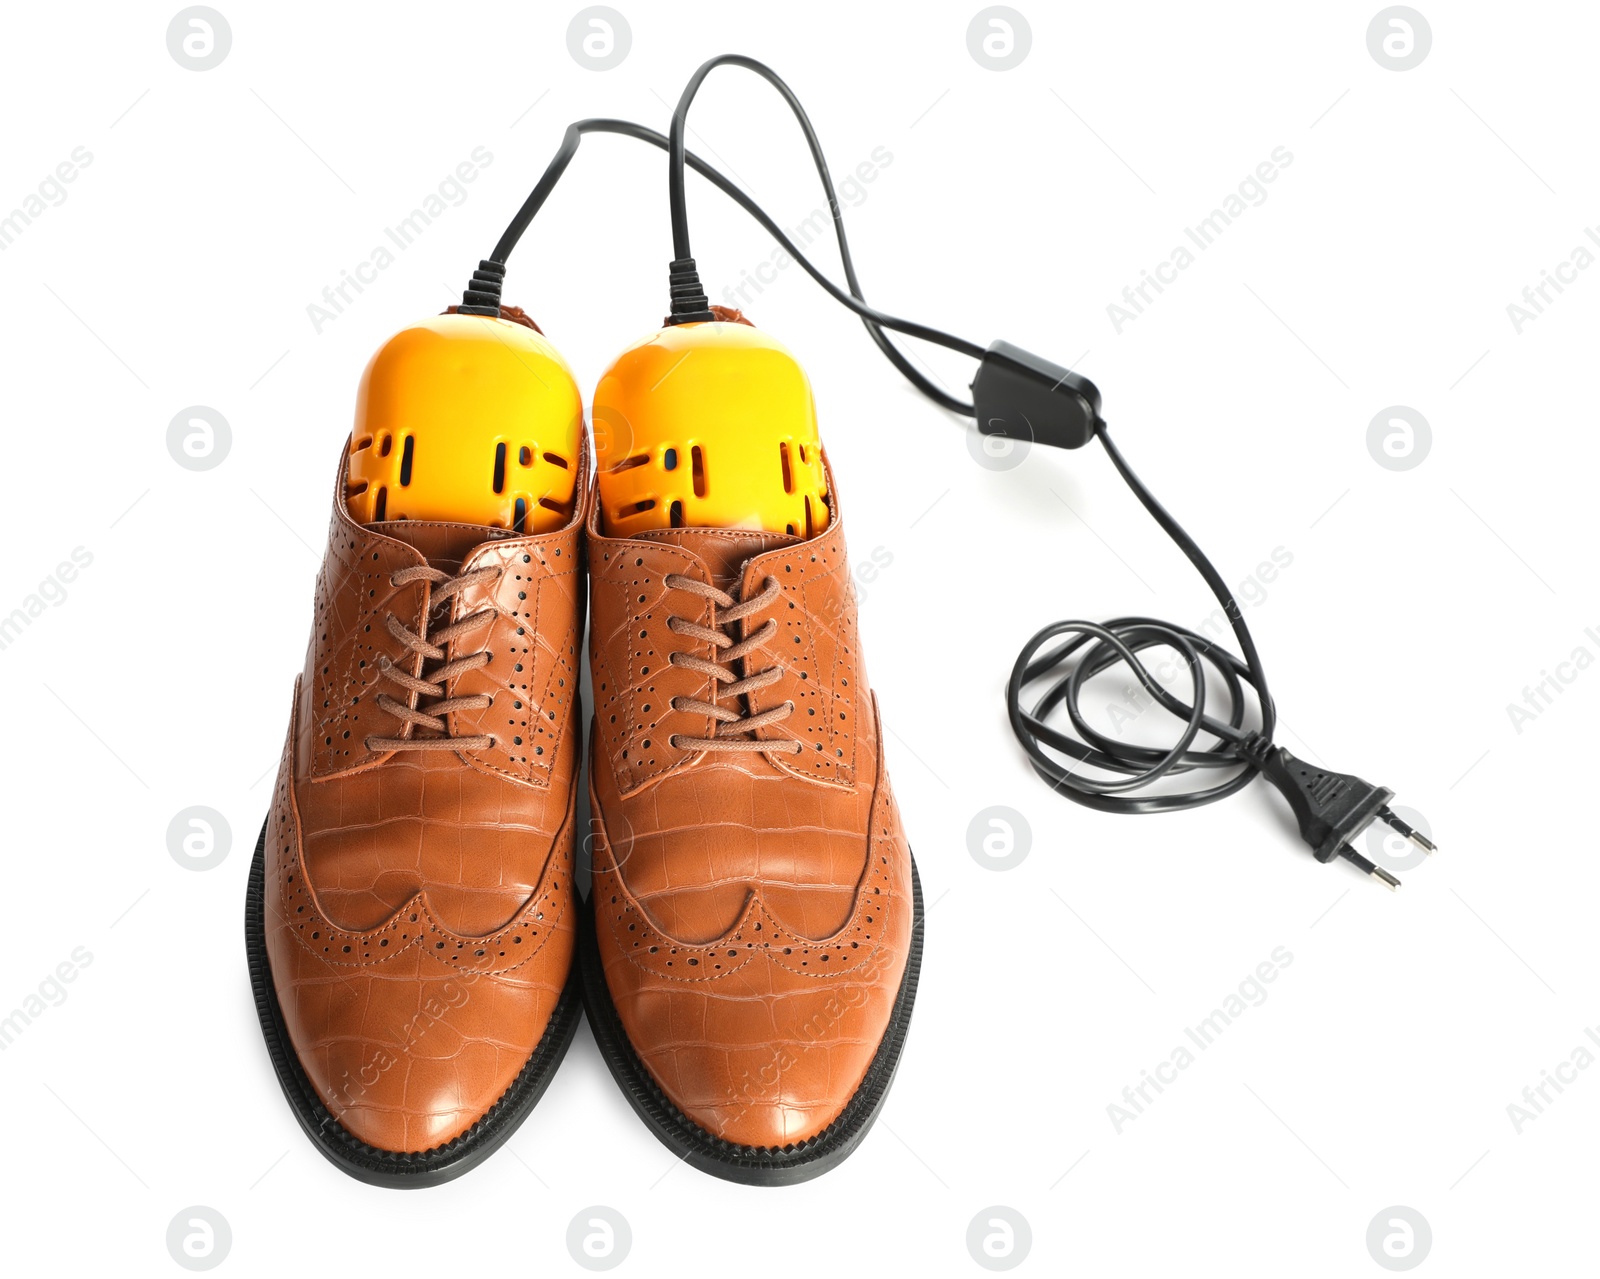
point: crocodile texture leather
(419, 908)
(753, 911)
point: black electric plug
(1334, 808)
(482, 294)
(689, 302)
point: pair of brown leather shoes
(418, 946)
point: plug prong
(1408, 831)
(1376, 871)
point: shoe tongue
(443, 544)
(724, 551)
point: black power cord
(482, 296)
(1024, 396)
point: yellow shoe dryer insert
(709, 425)
(470, 419)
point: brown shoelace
(730, 723)
(433, 649)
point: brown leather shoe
(410, 921)
(757, 927)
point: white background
(1018, 204)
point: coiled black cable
(1100, 646)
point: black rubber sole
(349, 1153)
(748, 1165)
